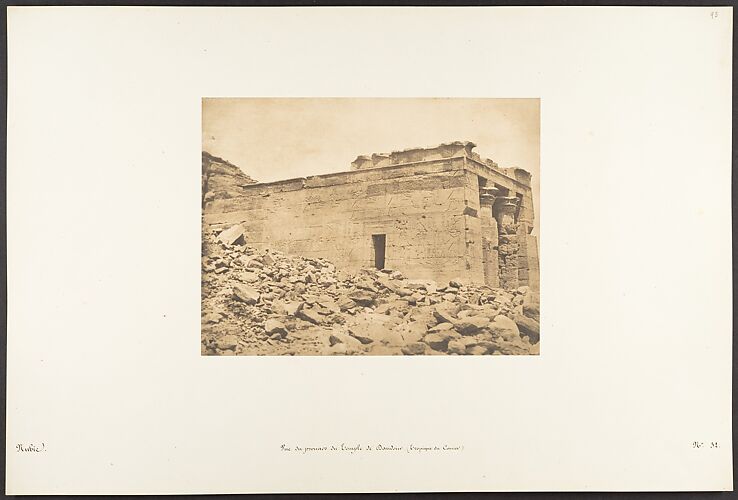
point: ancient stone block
(232, 235)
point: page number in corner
(714, 14)
(700, 444)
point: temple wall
(426, 203)
(427, 214)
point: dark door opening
(378, 241)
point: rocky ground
(267, 303)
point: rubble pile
(268, 303)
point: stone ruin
(437, 213)
(415, 252)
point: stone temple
(438, 213)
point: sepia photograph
(407, 217)
(363, 226)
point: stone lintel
(485, 168)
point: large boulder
(227, 342)
(429, 286)
(528, 326)
(503, 298)
(249, 277)
(213, 317)
(422, 315)
(504, 327)
(443, 314)
(328, 303)
(383, 349)
(456, 347)
(411, 332)
(441, 327)
(345, 303)
(246, 294)
(415, 349)
(439, 340)
(489, 311)
(338, 349)
(341, 338)
(531, 306)
(292, 308)
(232, 235)
(456, 283)
(477, 350)
(372, 327)
(363, 298)
(513, 347)
(272, 326)
(392, 338)
(309, 315)
(469, 341)
(471, 325)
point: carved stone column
(504, 210)
(490, 237)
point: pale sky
(273, 139)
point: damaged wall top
(442, 151)
(221, 179)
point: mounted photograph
(370, 226)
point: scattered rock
(227, 342)
(273, 326)
(254, 264)
(439, 340)
(528, 326)
(292, 308)
(363, 299)
(339, 349)
(471, 325)
(476, 349)
(441, 327)
(245, 294)
(345, 304)
(414, 349)
(411, 332)
(531, 307)
(372, 327)
(309, 315)
(361, 337)
(342, 338)
(443, 315)
(266, 302)
(249, 277)
(504, 327)
(383, 309)
(212, 318)
(456, 347)
(232, 235)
